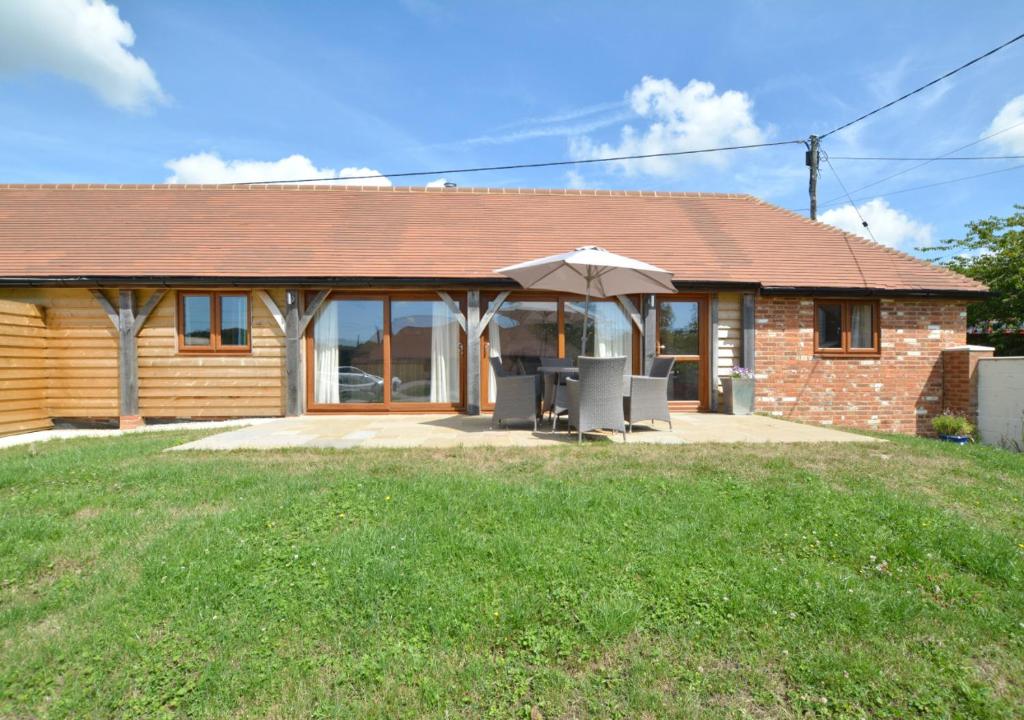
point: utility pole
(811, 158)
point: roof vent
(449, 184)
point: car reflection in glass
(356, 385)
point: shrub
(949, 424)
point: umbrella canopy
(590, 271)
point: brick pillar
(960, 379)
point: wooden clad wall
(22, 371)
(81, 357)
(730, 333)
(175, 385)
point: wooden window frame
(845, 350)
(215, 347)
(388, 406)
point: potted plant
(953, 428)
(738, 389)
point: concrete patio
(440, 431)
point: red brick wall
(900, 391)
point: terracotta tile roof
(331, 231)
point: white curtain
(613, 333)
(325, 360)
(494, 342)
(444, 356)
(861, 319)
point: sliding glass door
(399, 352)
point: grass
(705, 581)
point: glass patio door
(681, 334)
(385, 353)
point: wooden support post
(713, 355)
(748, 331)
(650, 339)
(127, 361)
(128, 324)
(473, 352)
(293, 353)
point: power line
(931, 185)
(521, 166)
(852, 203)
(967, 64)
(904, 171)
(932, 159)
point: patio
(441, 431)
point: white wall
(1001, 402)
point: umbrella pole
(586, 317)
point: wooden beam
(107, 307)
(495, 306)
(312, 309)
(127, 357)
(147, 309)
(293, 353)
(473, 387)
(272, 308)
(713, 354)
(650, 338)
(631, 310)
(749, 338)
(454, 308)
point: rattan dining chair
(595, 400)
(517, 397)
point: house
(168, 301)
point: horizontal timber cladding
(175, 384)
(81, 354)
(22, 373)
(897, 390)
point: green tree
(992, 252)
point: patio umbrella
(590, 271)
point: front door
(682, 333)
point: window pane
(683, 384)
(862, 321)
(348, 356)
(196, 323)
(609, 332)
(678, 327)
(425, 352)
(234, 320)
(830, 325)
(521, 333)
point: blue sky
(128, 91)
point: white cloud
(437, 183)
(692, 117)
(890, 226)
(82, 40)
(1010, 116)
(209, 168)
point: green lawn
(604, 581)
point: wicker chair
(517, 396)
(595, 400)
(647, 398)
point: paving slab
(450, 430)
